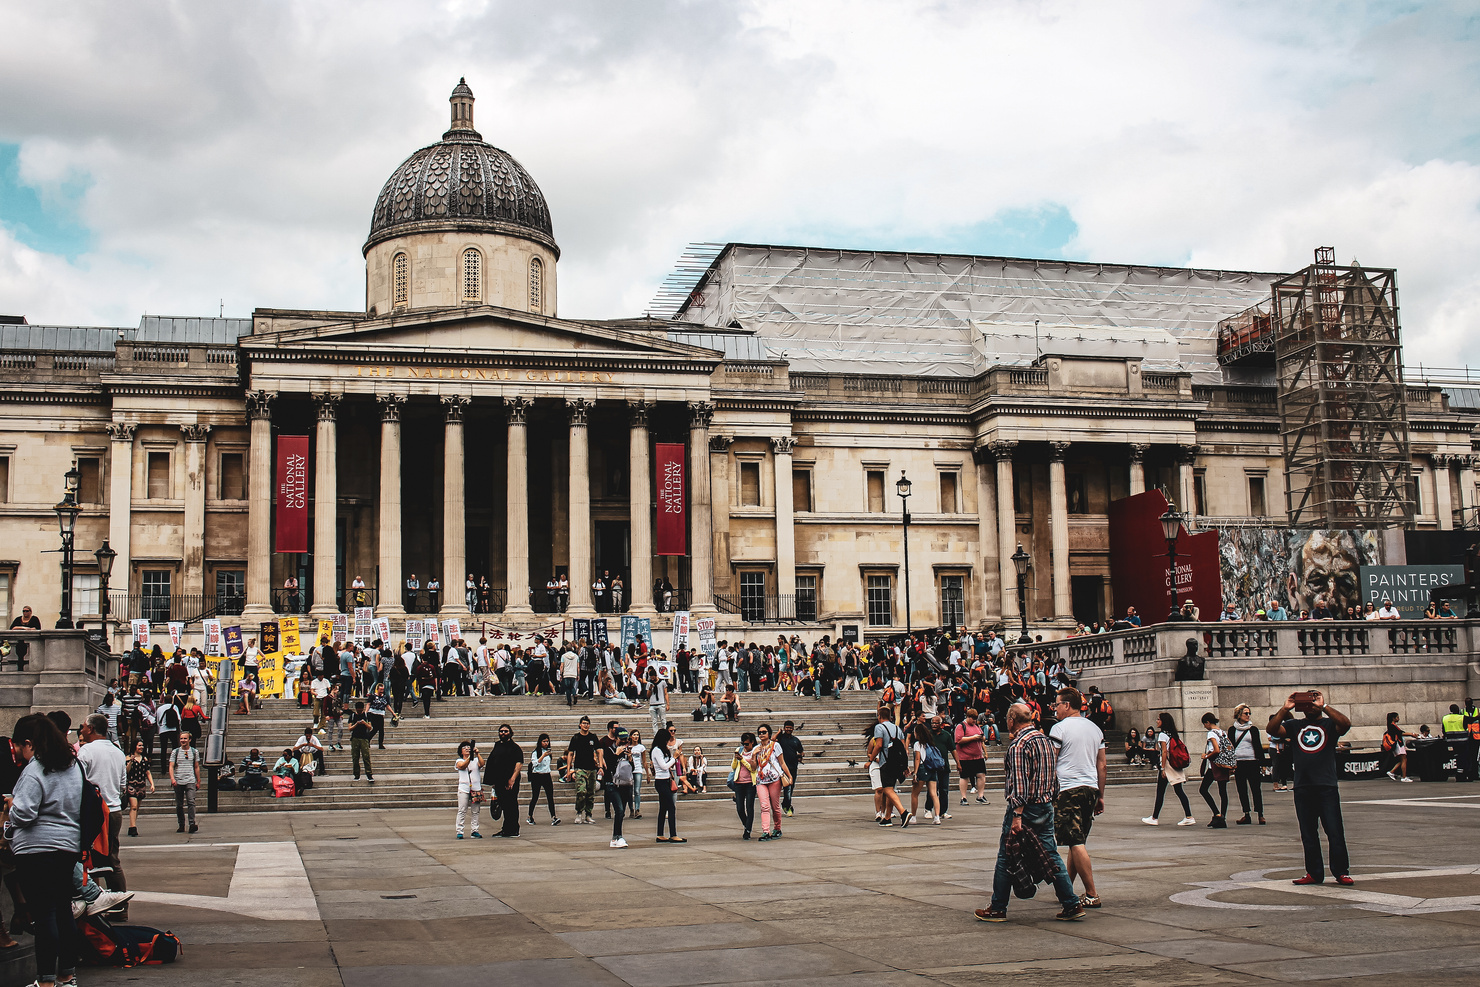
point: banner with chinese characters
(141, 632)
(177, 632)
(672, 529)
(581, 628)
(452, 629)
(233, 637)
(365, 625)
(433, 632)
(635, 629)
(268, 637)
(292, 494)
(383, 629)
(680, 631)
(415, 634)
(288, 641)
(598, 631)
(212, 631)
(326, 630)
(341, 626)
(555, 632)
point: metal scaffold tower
(1343, 409)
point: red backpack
(1177, 756)
(126, 945)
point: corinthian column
(516, 528)
(193, 558)
(454, 514)
(786, 538)
(388, 586)
(1002, 450)
(701, 525)
(259, 510)
(1058, 523)
(325, 508)
(1138, 467)
(580, 509)
(640, 511)
(121, 501)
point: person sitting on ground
(610, 696)
(310, 752)
(287, 765)
(1133, 752)
(706, 703)
(730, 702)
(254, 772)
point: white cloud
(236, 152)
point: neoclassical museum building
(459, 425)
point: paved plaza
(388, 897)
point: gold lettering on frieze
(478, 373)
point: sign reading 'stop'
(490, 374)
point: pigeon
(852, 764)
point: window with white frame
(880, 590)
(952, 601)
(85, 587)
(806, 597)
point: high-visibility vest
(1454, 723)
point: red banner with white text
(672, 499)
(292, 493)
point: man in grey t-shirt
(185, 779)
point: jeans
(769, 796)
(539, 781)
(744, 676)
(636, 792)
(1320, 806)
(585, 791)
(185, 802)
(1039, 819)
(466, 809)
(46, 882)
(1161, 794)
(667, 807)
(570, 692)
(1246, 776)
(745, 804)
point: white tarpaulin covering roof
(847, 311)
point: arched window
(536, 284)
(472, 275)
(401, 280)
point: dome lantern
(462, 112)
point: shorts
(875, 781)
(1074, 814)
(970, 769)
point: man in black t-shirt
(580, 766)
(505, 763)
(360, 729)
(1312, 743)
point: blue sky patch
(44, 222)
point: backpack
(622, 773)
(896, 758)
(94, 813)
(126, 945)
(1177, 756)
(932, 761)
(888, 696)
(1225, 758)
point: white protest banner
(705, 627)
(340, 624)
(415, 634)
(383, 629)
(177, 631)
(452, 629)
(141, 632)
(212, 631)
(433, 632)
(680, 631)
(555, 632)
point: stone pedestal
(1187, 702)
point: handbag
(730, 782)
(496, 810)
(282, 787)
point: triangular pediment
(485, 330)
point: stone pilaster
(988, 595)
(1138, 452)
(1443, 503)
(701, 544)
(259, 511)
(193, 555)
(786, 538)
(325, 506)
(1002, 451)
(1466, 490)
(120, 502)
(1186, 496)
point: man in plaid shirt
(1032, 786)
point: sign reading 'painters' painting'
(672, 527)
(1408, 586)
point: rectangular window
(159, 476)
(807, 598)
(89, 487)
(801, 490)
(85, 593)
(4, 479)
(880, 601)
(233, 484)
(154, 606)
(231, 590)
(1414, 493)
(1075, 494)
(750, 484)
(752, 596)
(948, 503)
(952, 601)
(876, 491)
(1257, 505)
(1022, 492)
(4, 597)
(1200, 494)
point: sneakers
(972, 789)
(1151, 820)
(529, 821)
(1189, 821)
(618, 844)
(1090, 900)
(1345, 880)
(928, 814)
(982, 800)
(459, 836)
(904, 820)
(1307, 879)
(944, 815)
(787, 811)
(990, 915)
(588, 819)
(963, 801)
(107, 901)
(477, 835)
(555, 821)
(1071, 912)
(1218, 822)
(766, 838)
(1393, 775)
(79, 909)
(886, 822)
(1406, 780)
(194, 828)
(937, 820)
(133, 831)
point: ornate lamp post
(1171, 527)
(903, 486)
(67, 512)
(1020, 560)
(105, 556)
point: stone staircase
(416, 768)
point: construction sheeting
(951, 315)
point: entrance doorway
(1088, 593)
(613, 553)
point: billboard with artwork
(1297, 567)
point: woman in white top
(1170, 776)
(698, 770)
(921, 741)
(664, 764)
(609, 694)
(639, 769)
(469, 766)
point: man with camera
(1312, 742)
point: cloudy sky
(177, 158)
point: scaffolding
(1342, 406)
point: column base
(582, 612)
(649, 611)
(515, 611)
(255, 615)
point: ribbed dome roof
(461, 183)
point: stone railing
(62, 670)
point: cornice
(881, 416)
(384, 356)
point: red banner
(1138, 562)
(292, 494)
(672, 500)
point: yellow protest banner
(270, 677)
(326, 631)
(288, 636)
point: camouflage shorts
(1073, 815)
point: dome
(461, 183)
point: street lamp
(105, 556)
(1171, 527)
(903, 486)
(1020, 560)
(67, 512)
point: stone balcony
(63, 670)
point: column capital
(454, 406)
(390, 406)
(981, 455)
(701, 413)
(1057, 451)
(259, 405)
(782, 445)
(517, 409)
(121, 431)
(1187, 454)
(578, 409)
(328, 405)
(1002, 448)
(1468, 462)
(1138, 451)
(721, 443)
(196, 432)
(1441, 461)
(638, 412)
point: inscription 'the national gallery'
(489, 374)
